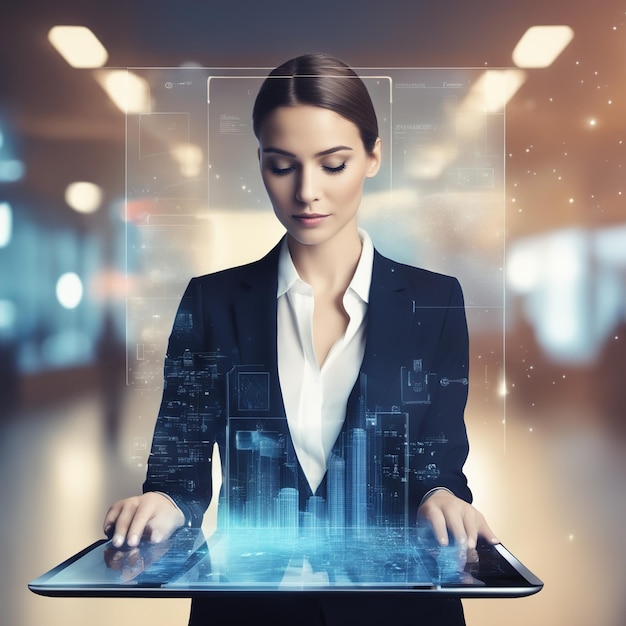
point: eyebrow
(272, 150)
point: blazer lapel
(255, 318)
(389, 321)
(255, 312)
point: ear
(374, 157)
(258, 153)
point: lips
(310, 219)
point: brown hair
(311, 79)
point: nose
(307, 186)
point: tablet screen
(188, 564)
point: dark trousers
(308, 610)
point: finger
(455, 522)
(471, 527)
(166, 518)
(161, 528)
(143, 514)
(437, 521)
(484, 530)
(123, 522)
(476, 526)
(108, 525)
(458, 530)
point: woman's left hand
(451, 516)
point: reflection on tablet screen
(251, 561)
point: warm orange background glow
(550, 479)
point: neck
(329, 265)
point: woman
(336, 328)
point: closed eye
(334, 170)
(282, 171)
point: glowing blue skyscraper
(287, 512)
(356, 482)
(336, 494)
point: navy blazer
(416, 339)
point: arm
(178, 486)
(445, 503)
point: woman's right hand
(151, 515)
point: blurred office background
(548, 461)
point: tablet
(251, 562)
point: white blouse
(315, 397)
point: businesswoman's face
(313, 164)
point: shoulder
(390, 274)
(234, 278)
